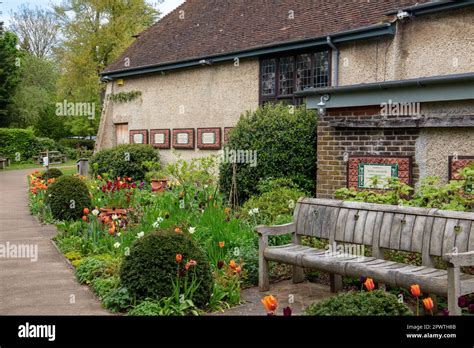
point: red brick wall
(334, 142)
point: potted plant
(156, 176)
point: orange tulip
(428, 303)
(415, 290)
(369, 284)
(177, 230)
(232, 264)
(84, 218)
(179, 257)
(270, 303)
(112, 230)
(221, 244)
(86, 211)
(238, 269)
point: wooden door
(121, 133)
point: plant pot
(110, 211)
(159, 185)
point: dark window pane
(268, 76)
(321, 60)
(304, 72)
(286, 75)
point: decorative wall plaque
(160, 138)
(209, 138)
(139, 136)
(362, 169)
(183, 138)
(227, 131)
(456, 164)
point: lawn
(68, 167)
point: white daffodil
(140, 234)
(156, 224)
(95, 212)
(192, 230)
(115, 217)
(159, 219)
(117, 245)
(119, 234)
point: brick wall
(333, 143)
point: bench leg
(263, 281)
(454, 290)
(298, 274)
(336, 282)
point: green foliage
(36, 92)
(15, 142)
(117, 300)
(164, 307)
(93, 267)
(275, 204)
(67, 197)
(102, 286)
(151, 268)
(377, 302)
(9, 74)
(284, 139)
(430, 194)
(124, 160)
(123, 97)
(48, 124)
(51, 173)
(77, 143)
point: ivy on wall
(124, 97)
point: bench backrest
(431, 232)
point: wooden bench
(430, 232)
(55, 157)
(4, 162)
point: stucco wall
(211, 96)
(438, 44)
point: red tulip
(369, 284)
(415, 290)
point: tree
(36, 91)
(9, 75)
(95, 33)
(36, 29)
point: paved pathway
(299, 295)
(45, 287)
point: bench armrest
(460, 259)
(276, 230)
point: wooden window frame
(167, 134)
(218, 136)
(190, 132)
(276, 97)
(143, 132)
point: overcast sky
(6, 6)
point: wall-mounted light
(120, 82)
(205, 62)
(322, 104)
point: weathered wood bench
(430, 232)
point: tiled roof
(200, 28)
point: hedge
(15, 142)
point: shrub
(275, 204)
(67, 197)
(164, 307)
(377, 302)
(17, 141)
(52, 173)
(285, 143)
(117, 300)
(77, 143)
(97, 266)
(102, 286)
(45, 144)
(124, 160)
(151, 268)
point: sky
(6, 6)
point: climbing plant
(124, 97)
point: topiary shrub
(284, 139)
(52, 173)
(67, 197)
(124, 160)
(151, 267)
(377, 302)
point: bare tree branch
(36, 29)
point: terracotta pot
(110, 211)
(159, 185)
